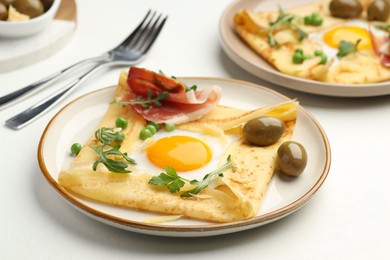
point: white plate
(18, 52)
(246, 58)
(77, 120)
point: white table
(347, 219)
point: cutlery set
(130, 52)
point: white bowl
(29, 27)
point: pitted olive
(378, 10)
(291, 158)
(345, 8)
(263, 131)
(32, 8)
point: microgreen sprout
(110, 142)
(282, 21)
(145, 103)
(175, 182)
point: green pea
(75, 148)
(157, 126)
(297, 57)
(169, 127)
(307, 20)
(299, 50)
(145, 134)
(324, 59)
(317, 20)
(151, 128)
(121, 122)
(321, 54)
(314, 19)
(119, 137)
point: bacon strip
(179, 107)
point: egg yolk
(348, 33)
(183, 153)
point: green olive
(291, 158)
(263, 131)
(345, 8)
(32, 8)
(3, 12)
(378, 10)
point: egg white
(216, 144)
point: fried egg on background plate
(350, 31)
(191, 154)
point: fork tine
(126, 41)
(154, 36)
(132, 42)
(151, 37)
(147, 35)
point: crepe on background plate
(361, 67)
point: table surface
(347, 219)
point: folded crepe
(359, 67)
(235, 196)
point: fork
(129, 52)
(110, 55)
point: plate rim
(180, 230)
(284, 80)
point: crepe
(357, 68)
(233, 197)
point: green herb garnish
(174, 182)
(282, 21)
(346, 48)
(145, 103)
(110, 142)
(192, 88)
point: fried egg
(351, 31)
(191, 154)
(184, 153)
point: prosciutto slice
(381, 47)
(179, 107)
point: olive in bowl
(39, 20)
(32, 8)
(263, 131)
(291, 158)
